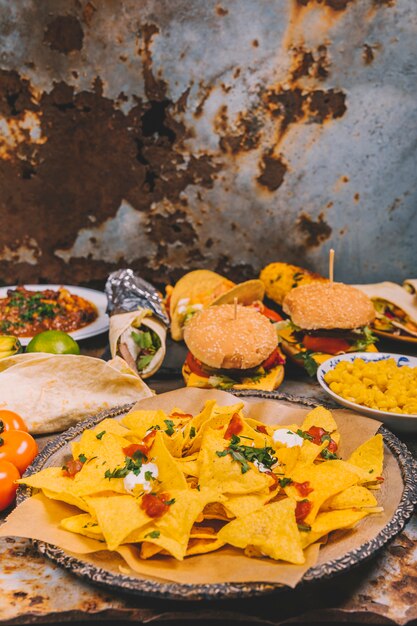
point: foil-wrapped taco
(138, 322)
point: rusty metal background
(225, 134)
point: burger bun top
(219, 340)
(328, 306)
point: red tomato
(303, 488)
(328, 345)
(72, 468)
(261, 429)
(317, 433)
(19, 448)
(274, 478)
(275, 358)
(302, 509)
(149, 439)
(195, 365)
(235, 426)
(9, 420)
(271, 315)
(155, 505)
(8, 475)
(134, 448)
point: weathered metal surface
(170, 135)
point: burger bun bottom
(270, 381)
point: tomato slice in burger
(272, 315)
(328, 345)
(275, 358)
(195, 366)
(269, 313)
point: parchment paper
(227, 564)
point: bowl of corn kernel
(380, 385)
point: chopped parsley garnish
(304, 528)
(244, 454)
(100, 435)
(309, 363)
(192, 432)
(148, 475)
(304, 435)
(325, 437)
(170, 427)
(131, 465)
(329, 456)
(284, 482)
(82, 458)
(371, 471)
(170, 502)
(154, 534)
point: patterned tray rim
(180, 591)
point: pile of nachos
(179, 484)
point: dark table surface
(382, 590)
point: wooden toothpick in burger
(331, 265)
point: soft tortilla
(122, 322)
(411, 285)
(54, 391)
(393, 293)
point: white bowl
(397, 421)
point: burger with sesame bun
(232, 347)
(325, 319)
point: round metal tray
(169, 590)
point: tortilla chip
(110, 425)
(69, 498)
(83, 524)
(177, 522)
(141, 421)
(325, 479)
(240, 506)
(320, 417)
(203, 546)
(118, 516)
(369, 456)
(272, 529)
(288, 458)
(170, 474)
(329, 521)
(223, 473)
(217, 510)
(355, 496)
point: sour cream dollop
(287, 437)
(131, 480)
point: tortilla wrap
(410, 284)
(393, 293)
(54, 391)
(121, 327)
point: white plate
(397, 421)
(98, 298)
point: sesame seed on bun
(219, 340)
(327, 306)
